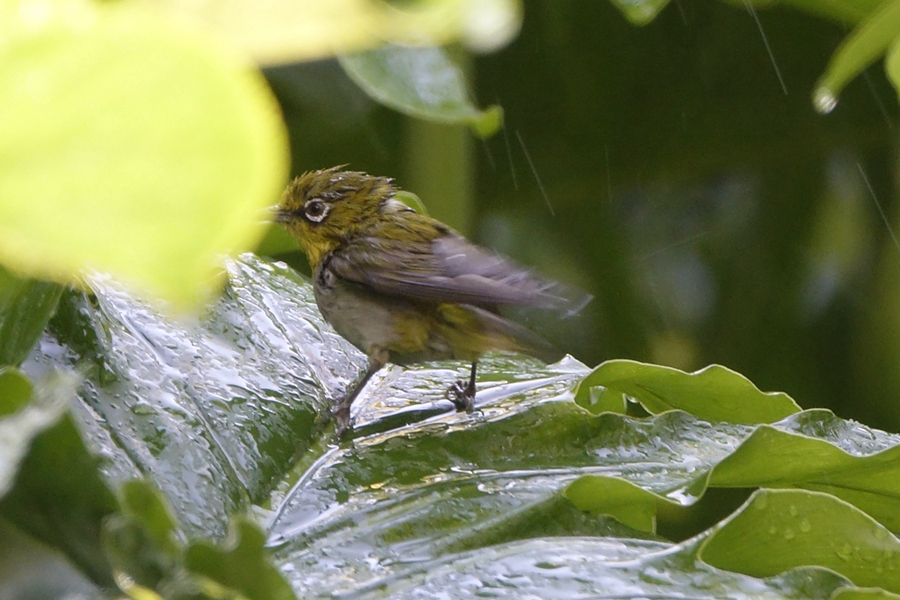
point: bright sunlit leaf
(281, 31)
(130, 146)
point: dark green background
(715, 218)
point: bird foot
(341, 413)
(462, 396)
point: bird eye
(315, 210)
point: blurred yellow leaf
(130, 146)
(282, 31)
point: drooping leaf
(865, 44)
(420, 81)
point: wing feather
(446, 268)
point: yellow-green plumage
(404, 287)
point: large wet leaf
(214, 410)
(227, 412)
(586, 568)
(52, 491)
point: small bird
(402, 286)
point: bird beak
(279, 215)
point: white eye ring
(315, 210)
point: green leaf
(592, 568)
(217, 411)
(840, 10)
(412, 201)
(892, 66)
(58, 495)
(151, 555)
(863, 594)
(242, 565)
(812, 449)
(715, 393)
(15, 392)
(865, 44)
(142, 502)
(818, 451)
(618, 498)
(22, 418)
(132, 146)
(781, 529)
(26, 306)
(640, 12)
(423, 82)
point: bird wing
(438, 264)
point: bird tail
(493, 333)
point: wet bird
(403, 287)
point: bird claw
(341, 414)
(462, 396)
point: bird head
(322, 209)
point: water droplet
(789, 534)
(773, 530)
(845, 552)
(824, 100)
(793, 510)
(805, 526)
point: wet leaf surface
(227, 414)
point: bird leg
(463, 395)
(378, 356)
